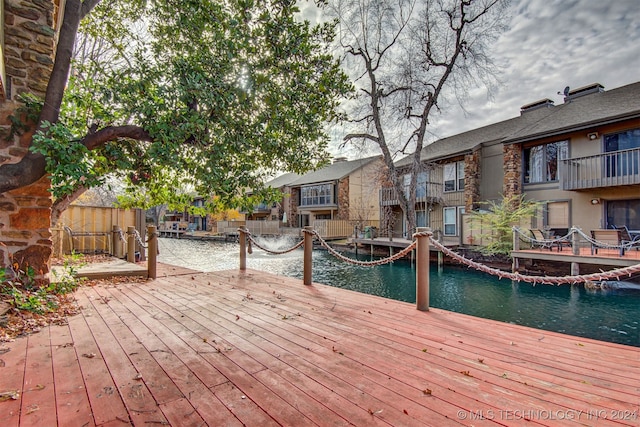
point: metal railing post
(422, 269)
(152, 260)
(308, 250)
(243, 248)
(131, 244)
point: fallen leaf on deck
(89, 355)
(9, 395)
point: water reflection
(605, 315)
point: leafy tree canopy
(192, 95)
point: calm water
(604, 315)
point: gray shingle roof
(585, 112)
(333, 171)
(282, 180)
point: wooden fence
(341, 229)
(89, 229)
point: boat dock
(250, 348)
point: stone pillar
(25, 223)
(343, 198)
(512, 185)
(25, 213)
(472, 180)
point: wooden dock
(231, 348)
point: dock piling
(243, 248)
(152, 261)
(422, 269)
(308, 251)
(131, 244)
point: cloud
(550, 45)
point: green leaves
(230, 93)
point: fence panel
(263, 227)
(92, 228)
(340, 228)
(228, 226)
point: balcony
(611, 169)
(431, 193)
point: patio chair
(560, 239)
(628, 239)
(539, 240)
(604, 238)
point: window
(421, 184)
(451, 216)
(626, 162)
(454, 176)
(316, 195)
(450, 223)
(541, 162)
(624, 212)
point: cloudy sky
(553, 44)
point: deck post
(422, 270)
(308, 250)
(131, 244)
(575, 248)
(152, 261)
(243, 248)
(116, 244)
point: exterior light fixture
(595, 201)
(592, 136)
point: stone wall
(25, 213)
(343, 199)
(472, 180)
(512, 185)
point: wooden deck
(608, 257)
(231, 348)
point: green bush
(500, 218)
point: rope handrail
(136, 233)
(271, 251)
(549, 280)
(530, 239)
(382, 261)
(566, 238)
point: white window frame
(454, 223)
(457, 174)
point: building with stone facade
(344, 190)
(580, 158)
(27, 52)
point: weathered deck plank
(231, 348)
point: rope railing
(525, 237)
(138, 238)
(422, 271)
(253, 241)
(375, 263)
(549, 280)
(566, 238)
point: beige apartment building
(581, 158)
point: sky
(551, 44)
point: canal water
(608, 315)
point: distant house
(581, 158)
(345, 190)
(274, 211)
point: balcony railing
(431, 194)
(601, 170)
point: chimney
(582, 91)
(536, 105)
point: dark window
(541, 161)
